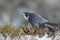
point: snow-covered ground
(30, 37)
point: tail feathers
(52, 23)
(50, 28)
(51, 31)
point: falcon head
(26, 15)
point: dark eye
(26, 15)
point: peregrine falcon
(36, 21)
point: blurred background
(11, 10)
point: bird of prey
(36, 20)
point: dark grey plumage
(36, 21)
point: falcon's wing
(52, 24)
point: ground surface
(21, 33)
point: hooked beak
(25, 16)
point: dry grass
(13, 32)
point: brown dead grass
(13, 32)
